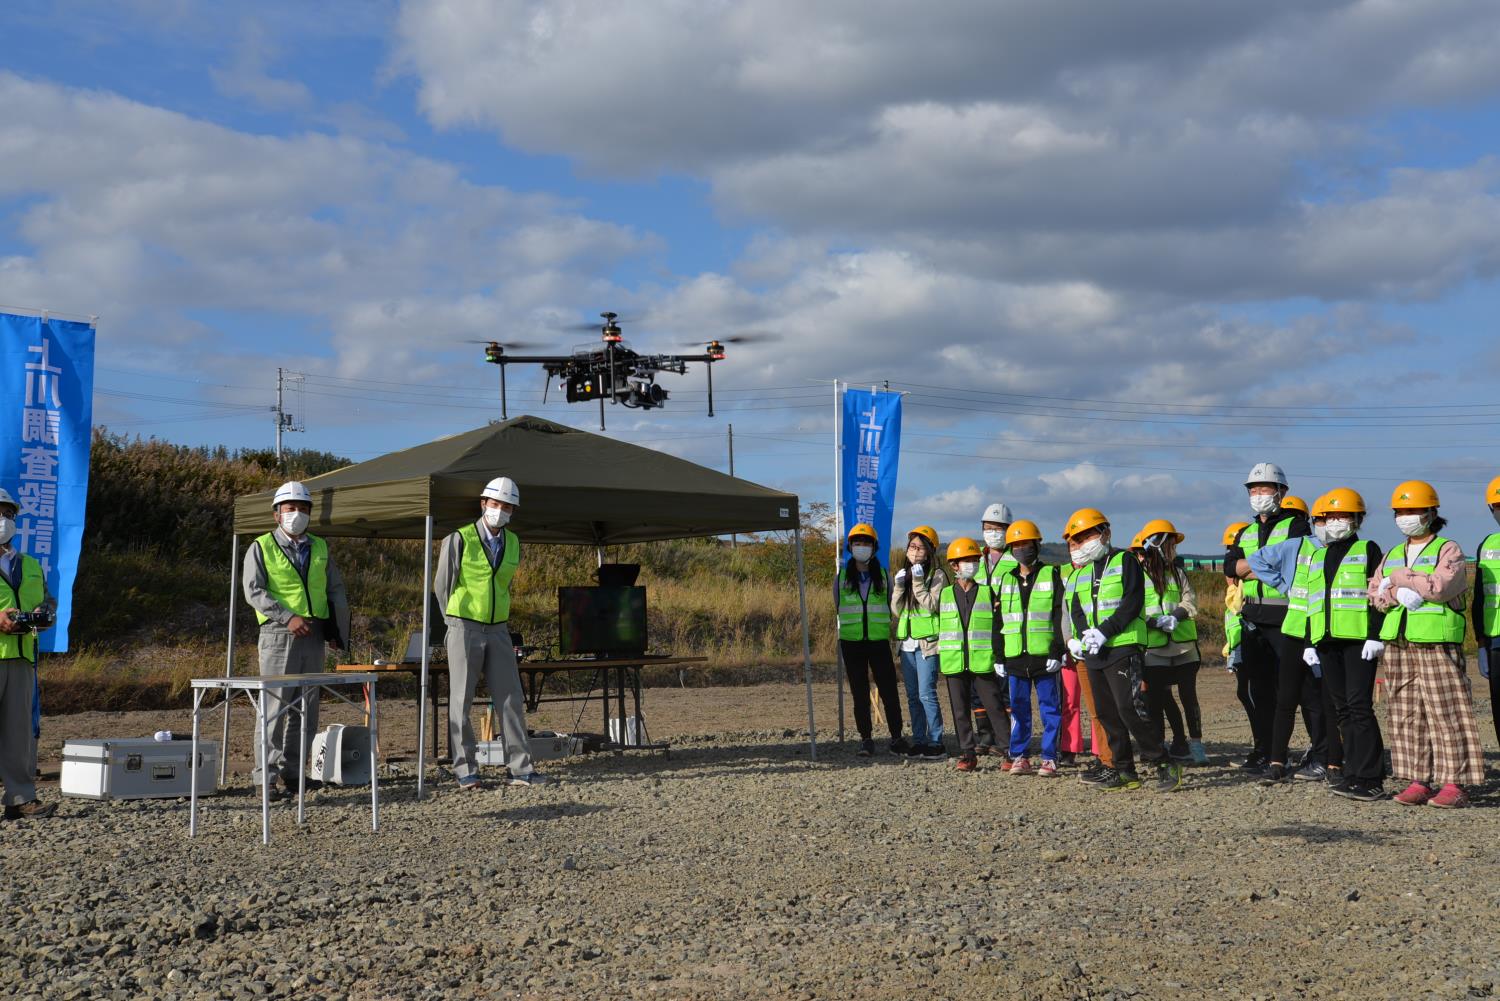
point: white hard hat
(6, 498)
(1266, 472)
(502, 488)
(998, 513)
(291, 490)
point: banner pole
(838, 538)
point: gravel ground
(737, 868)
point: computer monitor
(607, 621)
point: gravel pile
(737, 868)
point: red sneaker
(1413, 795)
(1450, 797)
(968, 763)
(1022, 766)
(1047, 770)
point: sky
(1114, 254)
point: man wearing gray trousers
(23, 588)
(474, 572)
(298, 596)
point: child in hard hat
(914, 603)
(1172, 657)
(1434, 739)
(1029, 646)
(966, 622)
(863, 606)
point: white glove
(1310, 657)
(1484, 662)
(1371, 650)
(917, 572)
(1075, 647)
(1411, 599)
(1053, 666)
(1094, 640)
(1385, 585)
(1000, 669)
(1166, 623)
(900, 576)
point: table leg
(374, 764)
(620, 698)
(262, 737)
(302, 759)
(193, 766)
(635, 689)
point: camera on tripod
(40, 619)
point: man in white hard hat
(291, 582)
(1264, 650)
(995, 560)
(473, 589)
(23, 588)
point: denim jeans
(920, 675)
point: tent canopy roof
(576, 487)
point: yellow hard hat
(1492, 492)
(1415, 494)
(1293, 503)
(1082, 520)
(927, 532)
(1232, 532)
(863, 529)
(1156, 525)
(1139, 542)
(1342, 500)
(963, 549)
(1320, 506)
(1022, 531)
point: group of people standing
(1312, 615)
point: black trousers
(1124, 714)
(1349, 689)
(1296, 685)
(1163, 707)
(863, 658)
(1260, 664)
(1185, 677)
(963, 690)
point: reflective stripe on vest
(32, 593)
(863, 618)
(1487, 580)
(1234, 629)
(1346, 614)
(1099, 599)
(1026, 617)
(482, 592)
(1434, 622)
(1301, 596)
(988, 576)
(305, 596)
(1156, 606)
(972, 650)
(1254, 590)
(916, 624)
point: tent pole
(426, 656)
(807, 672)
(838, 540)
(234, 558)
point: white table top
(258, 683)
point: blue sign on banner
(46, 417)
(869, 454)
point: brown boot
(35, 810)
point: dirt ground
(735, 867)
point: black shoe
(1168, 777)
(934, 752)
(1365, 792)
(1122, 780)
(1337, 783)
(1179, 752)
(1255, 764)
(1275, 775)
(1311, 772)
(913, 750)
(1091, 773)
(866, 748)
(900, 747)
(1067, 759)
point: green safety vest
(1487, 579)
(1099, 599)
(32, 593)
(1254, 590)
(916, 624)
(1316, 611)
(855, 620)
(482, 592)
(1234, 628)
(1026, 617)
(1157, 605)
(307, 597)
(972, 651)
(988, 576)
(1434, 622)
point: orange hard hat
(1022, 531)
(1082, 520)
(1233, 531)
(1414, 494)
(1158, 525)
(1492, 492)
(1293, 503)
(863, 529)
(927, 532)
(1342, 500)
(963, 549)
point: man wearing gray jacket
(474, 572)
(291, 582)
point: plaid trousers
(1434, 738)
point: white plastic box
(137, 768)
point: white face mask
(495, 517)
(294, 523)
(1089, 552)
(7, 529)
(1264, 503)
(1338, 529)
(1026, 554)
(1411, 524)
(994, 538)
(862, 554)
(1320, 531)
(966, 570)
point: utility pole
(734, 540)
(286, 421)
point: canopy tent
(577, 488)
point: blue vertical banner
(46, 417)
(869, 453)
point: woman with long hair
(1172, 656)
(916, 590)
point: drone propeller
(509, 345)
(748, 337)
